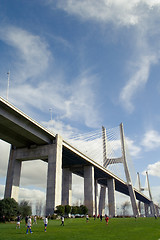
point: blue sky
(93, 62)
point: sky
(77, 65)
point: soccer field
(78, 229)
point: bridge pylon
(153, 207)
(139, 188)
(110, 183)
(128, 177)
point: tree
(25, 208)
(83, 209)
(60, 210)
(8, 208)
(67, 209)
(74, 210)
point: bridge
(30, 141)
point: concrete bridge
(30, 141)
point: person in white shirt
(29, 224)
(87, 218)
(45, 223)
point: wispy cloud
(141, 18)
(101, 11)
(34, 76)
(77, 102)
(119, 13)
(31, 52)
(137, 81)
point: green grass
(117, 229)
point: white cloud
(121, 13)
(2, 191)
(153, 169)
(77, 102)
(133, 149)
(31, 53)
(151, 140)
(31, 195)
(155, 194)
(137, 80)
(34, 173)
(33, 76)
(81, 103)
(4, 156)
(141, 17)
(65, 130)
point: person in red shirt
(106, 219)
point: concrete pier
(66, 187)
(49, 152)
(102, 200)
(54, 178)
(152, 208)
(89, 190)
(96, 197)
(111, 197)
(13, 176)
(146, 206)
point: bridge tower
(140, 189)
(111, 183)
(152, 207)
(128, 177)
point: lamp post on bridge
(8, 73)
(50, 109)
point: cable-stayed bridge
(30, 141)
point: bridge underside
(19, 130)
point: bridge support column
(152, 208)
(139, 206)
(96, 197)
(13, 176)
(66, 187)
(54, 178)
(157, 210)
(89, 194)
(102, 200)
(146, 209)
(133, 200)
(111, 197)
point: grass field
(117, 229)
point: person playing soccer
(87, 218)
(106, 219)
(45, 223)
(18, 222)
(29, 224)
(62, 221)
